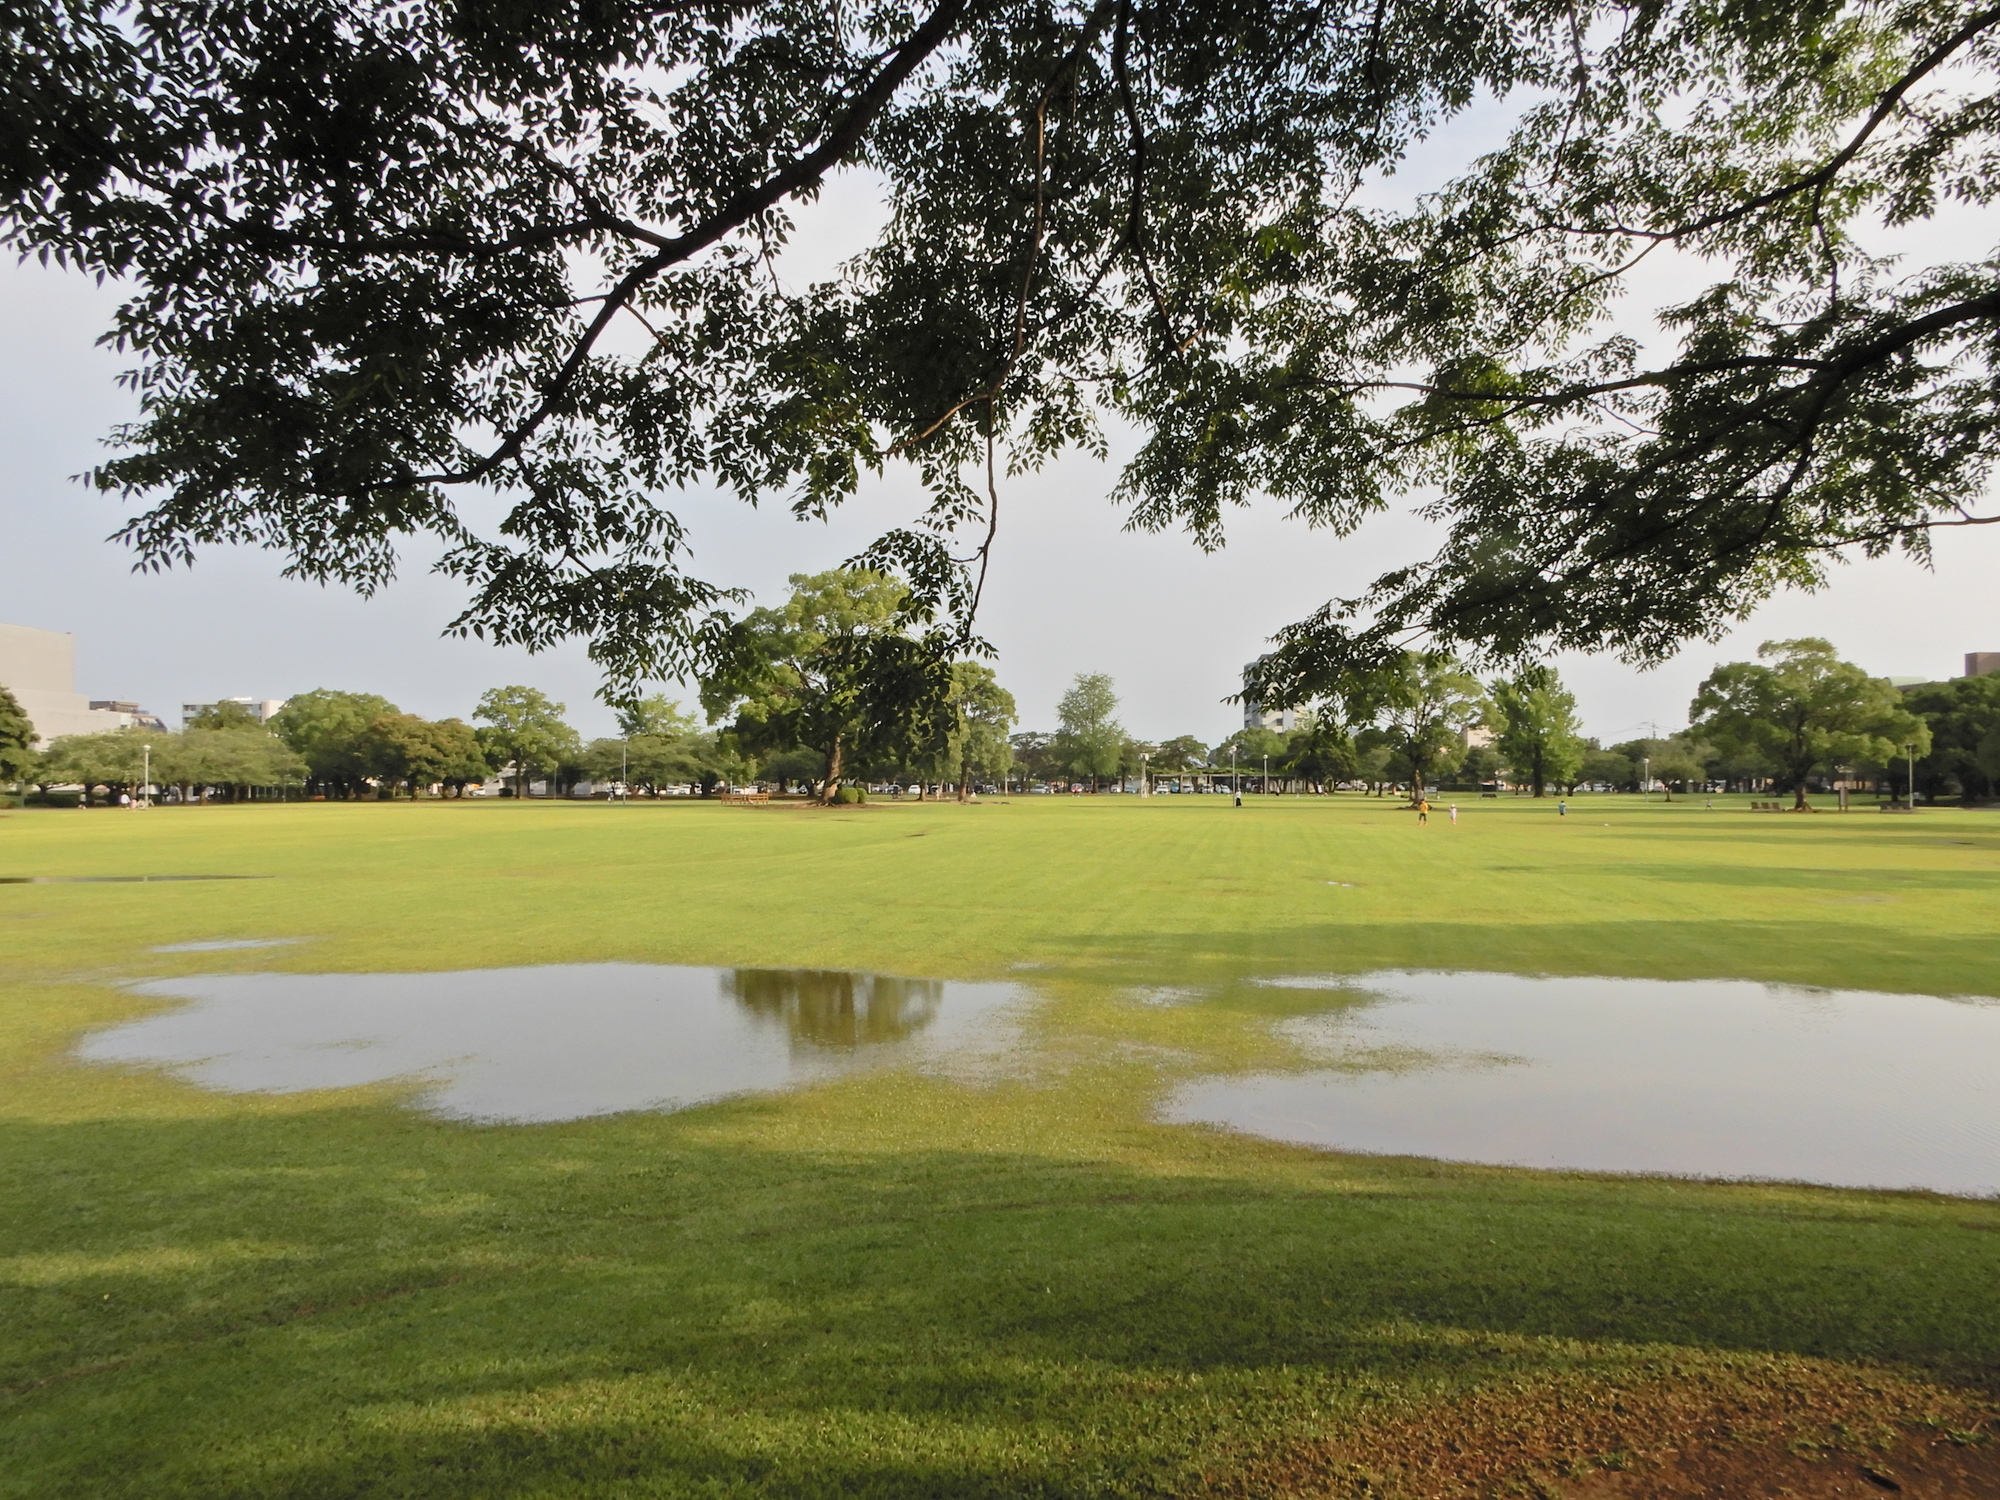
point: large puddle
(1705, 1078)
(552, 1043)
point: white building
(263, 708)
(39, 668)
(1284, 720)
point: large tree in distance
(1805, 710)
(1320, 750)
(659, 745)
(386, 256)
(522, 727)
(1423, 702)
(834, 669)
(406, 749)
(1964, 718)
(1091, 739)
(1668, 760)
(327, 727)
(982, 716)
(1536, 727)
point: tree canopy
(403, 749)
(1670, 760)
(1805, 710)
(327, 727)
(226, 714)
(982, 717)
(17, 739)
(1964, 719)
(522, 727)
(1320, 750)
(235, 758)
(834, 669)
(1423, 703)
(1091, 740)
(387, 259)
(1537, 729)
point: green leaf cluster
(390, 264)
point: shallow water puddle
(549, 1043)
(1696, 1078)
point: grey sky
(1071, 592)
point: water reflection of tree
(833, 1008)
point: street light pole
(1235, 781)
(1646, 777)
(624, 787)
(1267, 776)
(1910, 751)
(1145, 785)
(146, 786)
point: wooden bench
(746, 797)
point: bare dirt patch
(1730, 1427)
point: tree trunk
(830, 788)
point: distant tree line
(837, 690)
(342, 746)
(1796, 718)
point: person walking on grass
(1562, 807)
(1454, 815)
(1423, 809)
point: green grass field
(902, 1284)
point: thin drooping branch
(992, 528)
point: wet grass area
(113, 879)
(977, 1264)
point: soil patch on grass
(1730, 1429)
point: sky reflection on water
(548, 1043)
(1698, 1078)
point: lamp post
(1265, 785)
(1235, 781)
(1145, 785)
(624, 787)
(1646, 777)
(1910, 752)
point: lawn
(909, 1283)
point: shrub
(848, 795)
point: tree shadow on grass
(1820, 879)
(663, 1305)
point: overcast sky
(1070, 592)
